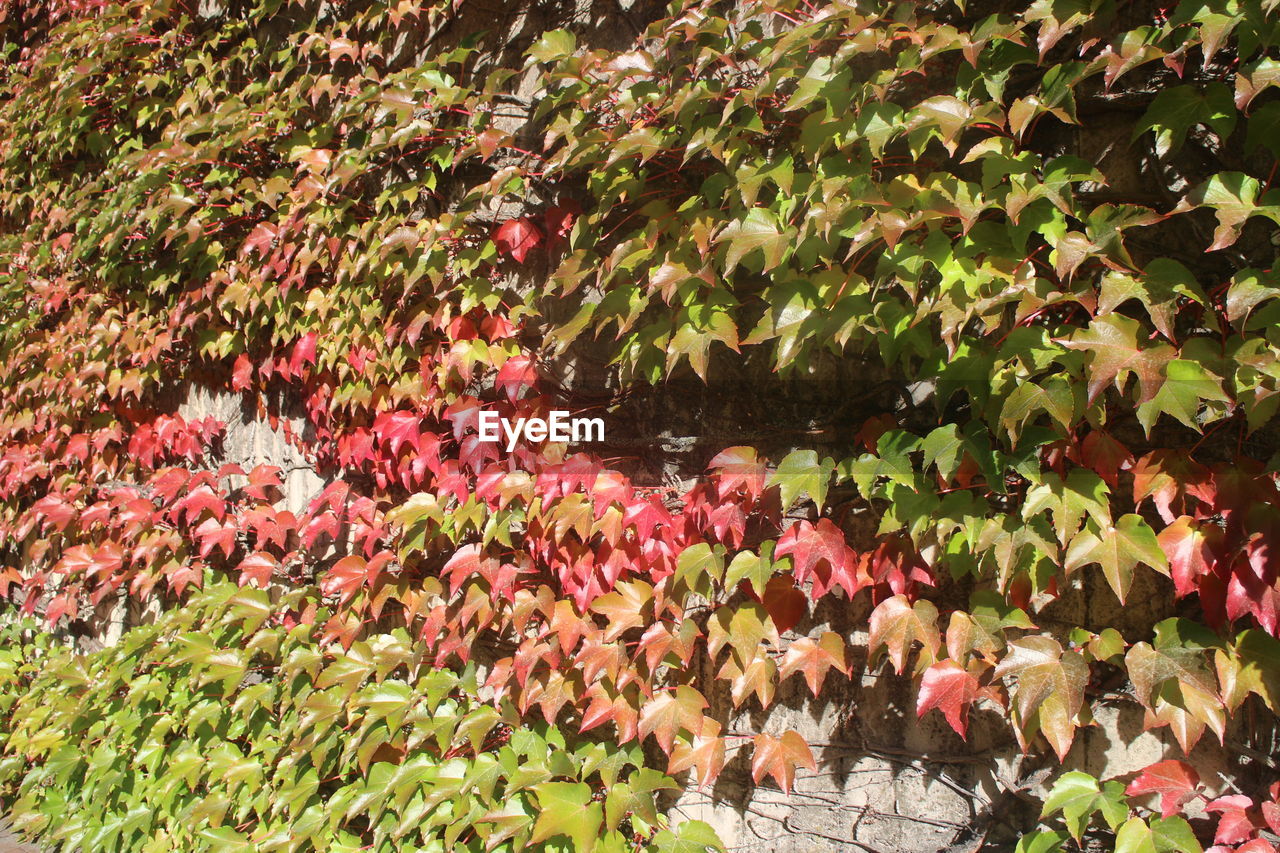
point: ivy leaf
(755, 569)
(553, 45)
(566, 808)
(669, 712)
(1190, 548)
(699, 564)
(516, 238)
(1234, 198)
(1163, 835)
(950, 688)
(1106, 456)
(691, 836)
(1079, 796)
(786, 604)
(779, 757)
(814, 658)
(703, 752)
(1118, 550)
(1234, 823)
(1186, 388)
(1177, 109)
(1050, 683)
(896, 624)
(800, 472)
(759, 230)
(820, 552)
(1114, 352)
(1159, 287)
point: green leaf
(800, 472)
(759, 230)
(1176, 109)
(751, 567)
(1162, 835)
(1118, 550)
(566, 808)
(691, 836)
(1079, 796)
(554, 44)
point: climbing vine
(1043, 232)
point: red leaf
(396, 429)
(261, 478)
(778, 757)
(516, 375)
(257, 568)
(1106, 456)
(59, 607)
(560, 217)
(785, 604)
(517, 237)
(1187, 545)
(738, 468)
(304, 352)
(346, 577)
(1234, 825)
(241, 373)
(1175, 782)
(822, 554)
(213, 534)
(1257, 845)
(950, 688)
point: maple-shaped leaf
(1234, 198)
(261, 479)
(214, 534)
(625, 607)
(1118, 549)
(1107, 457)
(516, 238)
(814, 658)
(304, 353)
(1192, 551)
(1176, 782)
(738, 468)
(1050, 684)
(779, 757)
(241, 373)
(1161, 835)
(60, 606)
(396, 429)
(800, 472)
(1079, 796)
(759, 230)
(1235, 824)
(257, 568)
(758, 676)
(559, 218)
(671, 711)
(950, 688)
(1188, 386)
(1168, 477)
(703, 752)
(1176, 686)
(785, 603)
(755, 569)
(567, 808)
(822, 555)
(1112, 342)
(896, 624)
(516, 375)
